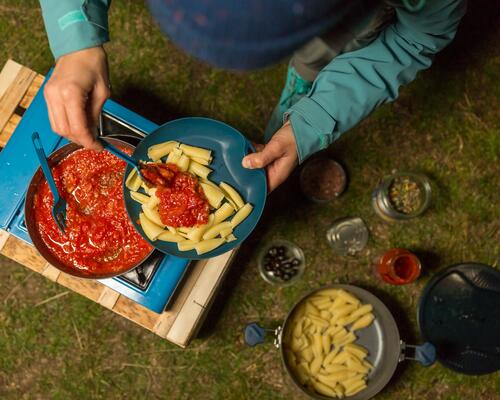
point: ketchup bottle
(398, 267)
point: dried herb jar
(402, 196)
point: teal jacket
(346, 90)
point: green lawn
(445, 124)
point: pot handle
(425, 353)
(255, 334)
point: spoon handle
(37, 143)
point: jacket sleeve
(73, 25)
(355, 83)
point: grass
(445, 124)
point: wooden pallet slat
(19, 81)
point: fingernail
(247, 163)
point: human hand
(75, 94)
(279, 156)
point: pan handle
(425, 353)
(256, 334)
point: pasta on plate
(227, 207)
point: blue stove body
(18, 163)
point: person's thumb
(266, 156)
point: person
(348, 57)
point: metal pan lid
(459, 313)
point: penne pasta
(233, 194)
(183, 162)
(160, 150)
(231, 238)
(153, 215)
(363, 322)
(202, 161)
(151, 230)
(226, 232)
(139, 197)
(196, 233)
(215, 230)
(213, 194)
(199, 170)
(186, 245)
(173, 157)
(168, 236)
(207, 245)
(133, 181)
(241, 215)
(198, 152)
(223, 213)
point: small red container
(398, 267)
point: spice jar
(398, 267)
(322, 179)
(402, 196)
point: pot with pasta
(340, 341)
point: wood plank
(135, 312)
(185, 324)
(8, 75)
(168, 317)
(3, 238)
(108, 298)
(24, 254)
(9, 129)
(14, 94)
(86, 287)
(51, 272)
(207, 283)
(199, 300)
(32, 91)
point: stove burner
(141, 276)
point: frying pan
(381, 338)
(32, 227)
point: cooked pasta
(319, 343)
(228, 208)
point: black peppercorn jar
(402, 196)
(281, 262)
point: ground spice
(322, 179)
(405, 195)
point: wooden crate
(180, 323)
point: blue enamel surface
(228, 149)
(19, 161)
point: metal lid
(347, 236)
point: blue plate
(228, 149)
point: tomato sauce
(182, 200)
(99, 236)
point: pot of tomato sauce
(100, 241)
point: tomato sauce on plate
(99, 237)
(182, 200)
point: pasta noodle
(241, 215)
(207, 245)
(215, 230)
(151, 230)
(223, 213)
(139, 197)
(233, 194)
(213, 194)
(158, 151)
(167, 236)
(199, 170)
(197, 152)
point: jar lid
(348, 236)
